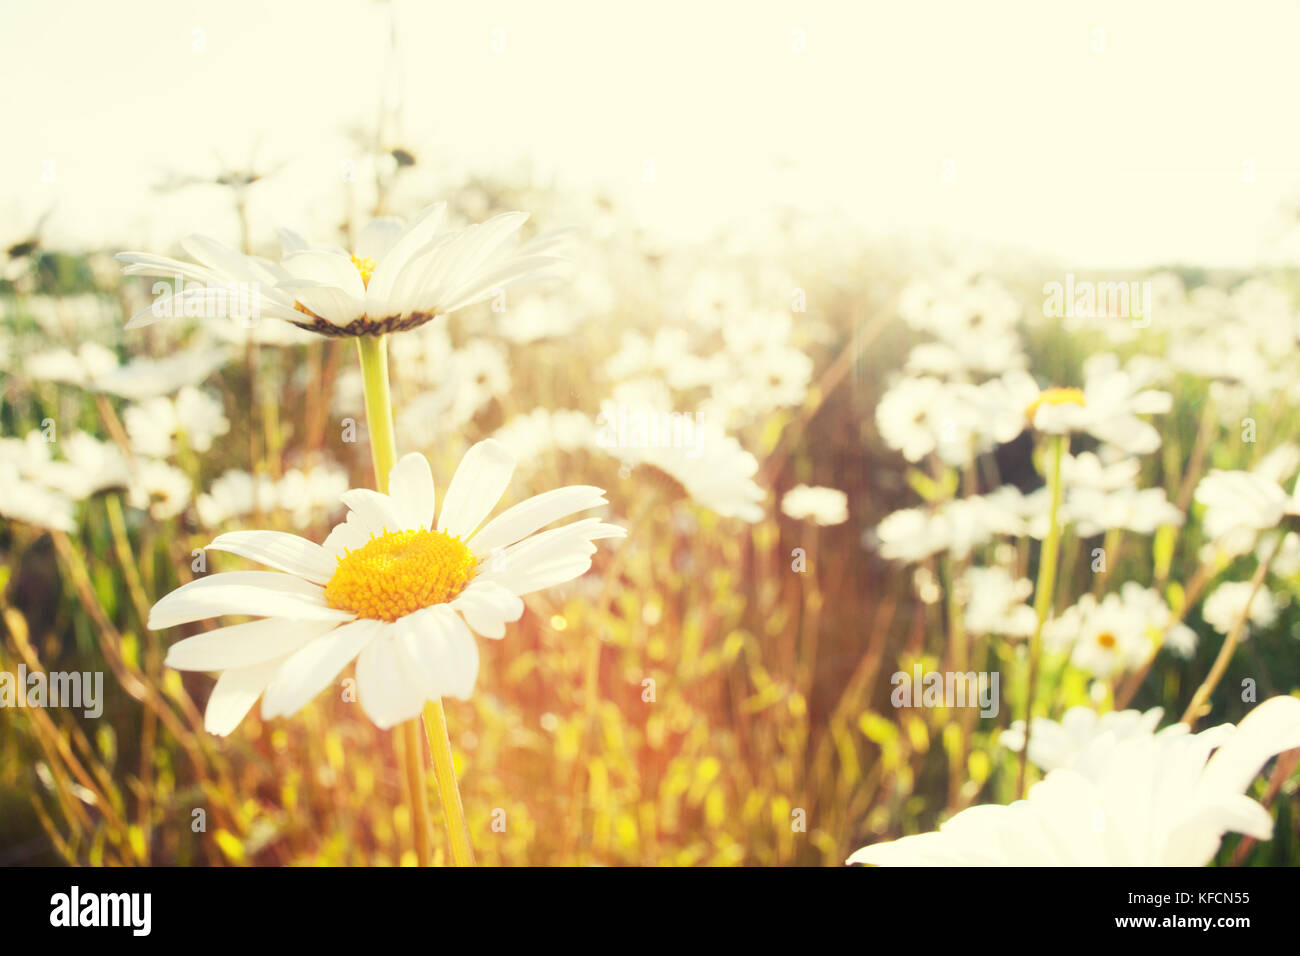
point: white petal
(411, 243)
(378, 512)
(328, 268)
(550, 557)
(218, 257)
(523, 519)
(387, 694)
(1269, 729)
(487, 606)
(313, 668)
(258, 593)
(440, 651)
(475, 489)
(331, 304)
(410, 485)
(291, 242)
(148, 264)
(348, 535)
(510, 274)
(276, 549)
(234, 695)
(377, 237)
(244, 645)
(457, 261)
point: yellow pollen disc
(1055, 396)
(366, 267)
(399, 572)
(1106, 639)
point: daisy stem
(1201, 698)
(373, 353)
(1043, 597)
(444, 770)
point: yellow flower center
(366, 267)
(399, 572)
(1055, 396)
(1106, 639)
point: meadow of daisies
(489, 529)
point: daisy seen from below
(399, 276)
(401, 594)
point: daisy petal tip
(497, 450)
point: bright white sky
(1128, 154)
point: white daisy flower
(1239, 505)
(995, 603)
(235, 494)
(31, 502)
(1286, 555)
(823, 506)
(1155, 800)
(685, 454)
(398, 277)
(161, 489)
(918, 416)
(1087, 470)
(720, 477)
(401, 594)
(95, 368)
(1223, 607)
(1106, 407)
(88, 466)
(532, 435)
(1081, 735)
(957, 527)
(152, 426)
(1116, 634)
(1140, 510)
(81, 368)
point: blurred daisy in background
(955, 527)
(95, 368)
(1080, 735)
(194, 416)
(1118, 633)
(1106, 407)
(995, 602)
(1239, 505)
(822, 506)
(1227, 603)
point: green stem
(1043, 593)
(1201, 698)
(373, 353)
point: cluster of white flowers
(967, 392)
(42, 489)
(305, 495)
(1241, 340)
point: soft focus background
(775, 206)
